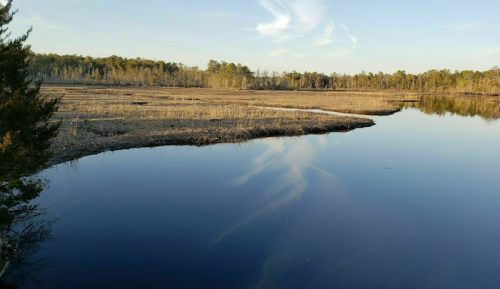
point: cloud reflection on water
(296, 159)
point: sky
(278, 35)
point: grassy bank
(97, 120)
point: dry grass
(95, 122)
(374, 103)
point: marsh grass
(367, 103)
(94, 122)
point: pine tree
(26, 129)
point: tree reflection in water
(23, 226)
(440, 105)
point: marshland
(97, 119)
(308, 172)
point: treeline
(114, 70)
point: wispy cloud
(461, 25)
(279, 52)
(300, 55)
(340, 53)
(292, 17)
(490, 52)
(54, 27)
(322, 42)
(300, 18)
(326, 38)
(354, 40)
(3, 2)
(451, 25)
(348, 48)
(35, 17)
(467, 26)
(343, 52)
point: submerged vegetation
(114, 70)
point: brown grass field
(97, 119)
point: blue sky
(280, 35)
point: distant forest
(114, 70)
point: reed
(94, 122)
(375, 103)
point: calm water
(413, 202)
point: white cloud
(279, 52)
(461, 26)
(274, 29)
(292, 18)
(3, 2)
(281, 22)
(307, 20)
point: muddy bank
(114, 144)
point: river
(412, 202)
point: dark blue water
(413, 202)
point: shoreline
(100, 120)
(75, 154)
